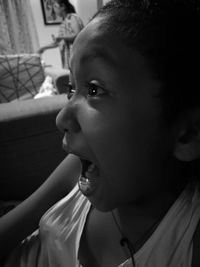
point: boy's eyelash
(70, 90)
(70, 87)
(92, 90)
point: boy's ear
(187, 145)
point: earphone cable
(124, 241)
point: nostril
(67, 120)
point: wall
(105, 1)
(86, 9)
(51, 57)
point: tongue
(88, 180)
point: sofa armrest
(55, 72)
(30, 145)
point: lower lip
(87, 186)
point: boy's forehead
(96, 52)
(91, 35)
(99, 48)
(94, 43)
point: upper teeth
(91, 167)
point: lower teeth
(86, 186)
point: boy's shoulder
(196, 247)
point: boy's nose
(66, 120)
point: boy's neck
(138, 221)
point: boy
(133, 121)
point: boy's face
(114, 119)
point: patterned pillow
(20, 76)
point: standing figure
(68, 30)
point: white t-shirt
(56, 244)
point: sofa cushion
(20, 76)
(30, 145)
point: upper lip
(70, 150)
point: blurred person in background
(70, 26)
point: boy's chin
(100, 197)
(102, 204)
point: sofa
(22, 75)
(30, 143)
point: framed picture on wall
(49, 15)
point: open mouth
(88, 179)
(85, 165)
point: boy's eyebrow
(98, 53)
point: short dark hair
(69, 8)
(166, 33)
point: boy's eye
(94, 89)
